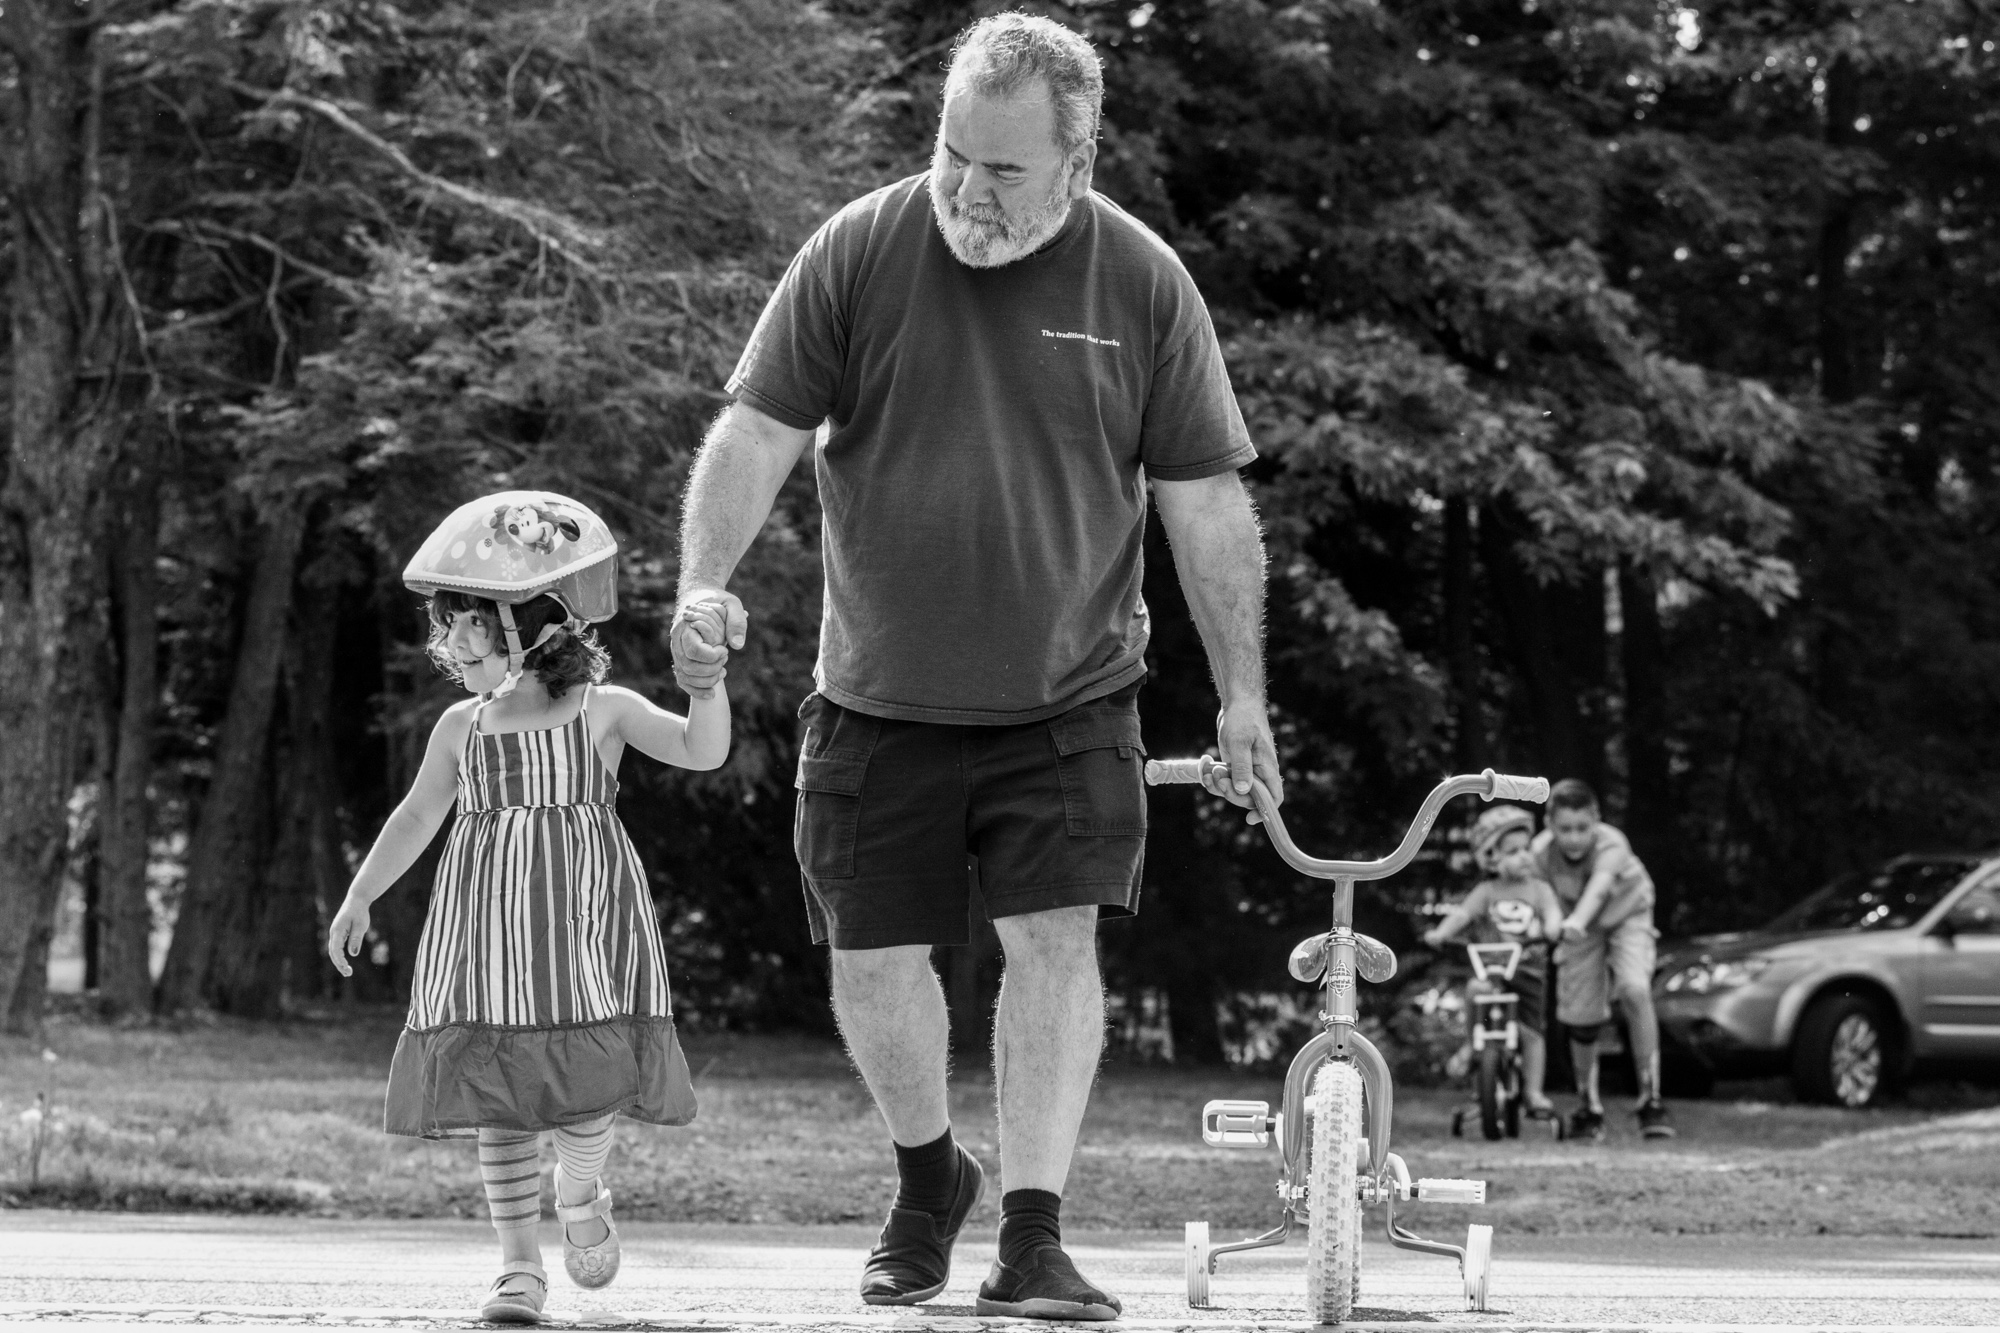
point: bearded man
(1002, 360)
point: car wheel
(1842, 1053)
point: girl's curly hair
(570, 657)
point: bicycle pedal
(1227, 1124)
(1449, 1191)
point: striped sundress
(540, 994)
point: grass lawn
(286, 1118)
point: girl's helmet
(1494, 824)
(514, 546)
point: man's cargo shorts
(889, 813)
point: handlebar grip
(1507, 787)
(1160, 772)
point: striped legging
(509, 1165)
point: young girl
(1512, 905)
(539, 1000)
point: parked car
(1848, 989)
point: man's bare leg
(1047, 1038)
(892, 1015)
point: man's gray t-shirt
(989, 434)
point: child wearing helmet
(539, 1001)
(1512, 905)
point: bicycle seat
(1374, 960)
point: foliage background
(1624, 376)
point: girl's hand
(708, 620)
(347, 934)
(1432, 939)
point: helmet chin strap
(517, 655)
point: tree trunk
(278, 926)
(236, 967)
(1461, 652)
(1838, 378)
(322, 867)
(221, 859)
(1649, 814)
(126, 983)
(1561, 741)
(50, 572)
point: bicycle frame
(1493, 963)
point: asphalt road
(94, 1271)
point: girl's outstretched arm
(1446, 930)
(700, 740)
(411, 826)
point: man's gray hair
(1000, 54)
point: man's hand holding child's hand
(700, 641)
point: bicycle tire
(1515, 1083)
(1490, 1091)
(1333, 1229)
(1195, 1238)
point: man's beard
(982, 236)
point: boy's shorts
(1590, 969)
(889, 813)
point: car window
(1889, 898)
(1978, 912)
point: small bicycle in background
(1333, 1125)
(1497, 1072)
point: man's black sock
(1029, 1219)
(927, 1176)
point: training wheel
(1478, 1264)
(1196, 1256)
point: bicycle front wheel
(1333, 1231)
(1492, 1091)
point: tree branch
(202, 233)
(558, 233)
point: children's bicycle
(1496, 1044)
(1333, 1126)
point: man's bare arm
(1219, 556)
(735, 479)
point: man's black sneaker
(1585, 1123)
(1045, 1286)
(1653, 1120)
(912, 1260)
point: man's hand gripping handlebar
(1212, 775)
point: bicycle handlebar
(1507, 787)
(1159, 772)
(1487, 785)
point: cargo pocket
(1100, 758)
(832, 763)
